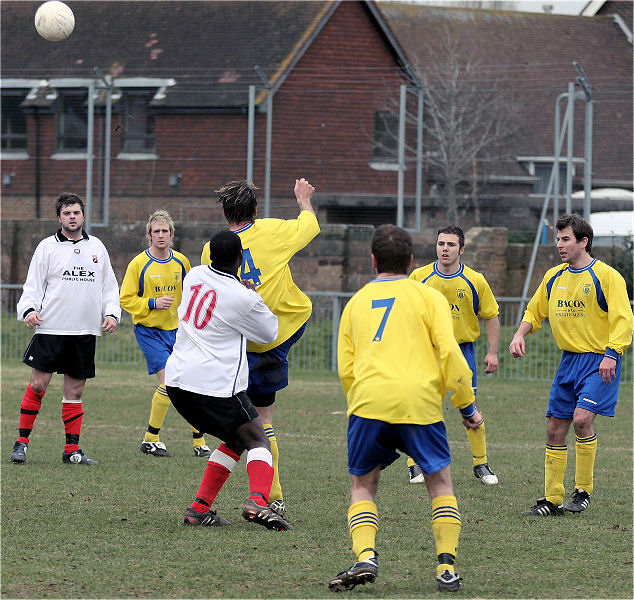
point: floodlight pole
(584, 83)
(89, 150)
(401, 156)
(269, 132)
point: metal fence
(317, 349)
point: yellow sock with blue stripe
(478, 441)
(276, 488)
(160, 404)
(586, 451)
(363, 524)
(446, 525)
(554, 471)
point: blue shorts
(578, 383)
(268, 371)
(156, 345)
(373, 443)
(468, 351)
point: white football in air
(54, 21)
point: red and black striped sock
(29, 409)
(72, 415)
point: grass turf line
(116, 530)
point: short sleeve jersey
(588, 308)
(268, 246)
(148, 278)
(397, 354)
(469, 296)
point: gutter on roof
(621, 23)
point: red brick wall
(323, 123)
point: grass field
(115, 530)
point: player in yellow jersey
(268, 246)
(469, 296)
(394, 385)
(586, 302)
(151, 292)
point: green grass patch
(115, 530)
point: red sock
(219, 467)
(29, 408)
(260, 478)
(72, 415)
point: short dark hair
(453, 230)
(580, 227)
(392, 249)
(239, 199)
(224, 249)
(67, 199)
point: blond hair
(159, 216)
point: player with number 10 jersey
(268, 245)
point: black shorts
(219, 417)
(72, 355)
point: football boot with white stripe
(154, 448)
(360, 573)
(485, 475)
(202, 451)
(448, 581)
(206, 519)
(579, 501)
(263, 515)
(77, 458)
(544, 508)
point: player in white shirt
(70, 296)
(207, 376)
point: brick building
(180, 74)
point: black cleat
(154, 448)
(202, 451)
(415, 474)
(579, 501)
(206, 519)
(263, 515)
(544, 508)
(360, 573)
(18, 454)
(485, 475)
(448, 581)
(279, 506)
(77, 458)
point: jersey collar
(456, 274)
(62, 238)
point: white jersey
(216, 317)
(71, 284)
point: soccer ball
(54, 21)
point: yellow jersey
(469, 296)
(588, 308)
(268, 245)
(148, 278)
(397, 353)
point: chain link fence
(317, 349)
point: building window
(361, 215)
(72, 121)
(385, 136)
(138, 122)
(543, 171)
(14, 133)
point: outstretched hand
(304, 192)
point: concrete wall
(338, 260)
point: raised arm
(304, 192)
